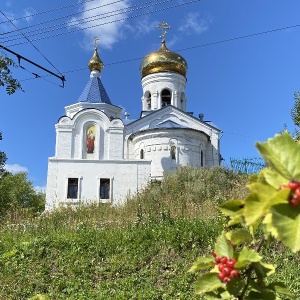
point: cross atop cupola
(164, 27)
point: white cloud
(194, 24)
(144, 26)
(41, 189)
(8, 26)
(15, 168)
(110, 15)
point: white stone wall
(156, 145)
(126, 177)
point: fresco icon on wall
(90, 139)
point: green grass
(142, 250)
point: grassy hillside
(141, 250)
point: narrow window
(142, 154)
(72, 188)
(104, 188)
(165, 98)
(148, 101)
(201, 158)
(173, 152)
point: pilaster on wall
(63, 143)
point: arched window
(165, 97)
(148, 100)
(142, 154)
(201, 158)
(173, 152)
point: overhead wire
(76, 13)
(55, 9)
(83, 20)
(110, 22)
(200, 46)
(32, 44)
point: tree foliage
(3, 159)
(16, 191)
(295, 113)
(6, 80)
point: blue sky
(238, 77)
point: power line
(55, 9)
(199, 46)
(62, 78)
(31, 43)
(82, 21)
(110, 22)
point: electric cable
(73, 14)
(32, 44)
(58, 8)
(81, 21)
(109, 22)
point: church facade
(100, 157)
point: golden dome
(163, 60)
(95, 62)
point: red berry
(214, 254)
(226, 271)
(231, 262)
(224, 260)
(226, 279)
(294, 201)
(297, 192)
(234, 274)
(221, 267)
(221, 276)
(293, 185)
(217, 260)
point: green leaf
(239, 236)
(264, 295)
(232, 208)
(246, 257)
(280, 287)
(278, 152)
(235, 286)
(269, 225)
(263, 270)
(202, 263)
(223, 247)
(273, 178)
(207, 283)
(258, 203)
(286, 221)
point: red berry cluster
(294, 197)
(226, 268)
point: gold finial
(96, 39)
(164, 26)
(95, 62)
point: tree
(3, 159)
(16, 191)
(6, 80)
(295, 113)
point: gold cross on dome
(96, 39)
(164, 26)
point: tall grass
(141, 250)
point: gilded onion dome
(163, 60)
(95, 62)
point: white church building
(100, 157)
